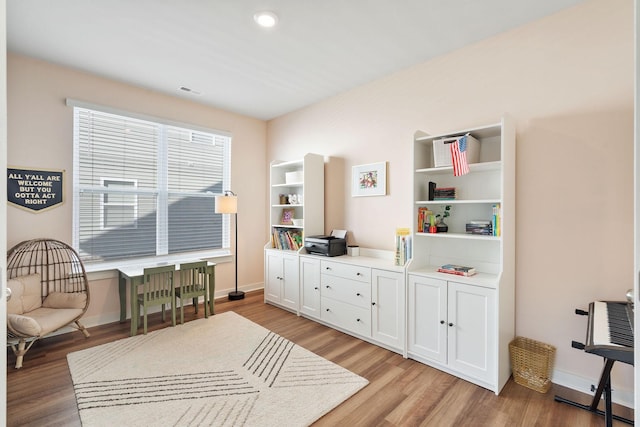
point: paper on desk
(341, 234)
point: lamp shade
(227, 204)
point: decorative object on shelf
(293, 199)
(449, 150)
(369, 180)
(353, 250)
(458, 150)
(441, 226)
(228, 204)
(297, 221)
(287, 216)
(284, 199)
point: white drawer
(346, 316)
(355, 272)
(346, 290)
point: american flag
(459, 156)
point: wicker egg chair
(49, 291)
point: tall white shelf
(281, 266)
(463, 325)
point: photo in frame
(369, 180)
(287, 216)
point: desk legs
(122, 293)
(212, 287)
(134, 307)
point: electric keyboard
(610, 331)
(610, 335)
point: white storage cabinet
(436, 299)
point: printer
(326, 245)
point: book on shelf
(403, 246)
(286, 239)
(444, 193)
(459, 270)
(496, 219)
(483, 227)
(424, 219)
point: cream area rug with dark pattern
(220, 371)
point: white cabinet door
(428, 318)
(472, 340)
(310, 286)
(387, 307)
(273, 276)
(290, 282)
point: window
(144, 188)
(119, 209)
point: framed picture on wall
(369, 180)
(287, 216)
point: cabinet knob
(316, 288)
(327, 268)
(357, 320)
(358, 294)
(358, 274)
(328, 309)
(442, 322)
(373, 303)
(327, 286)
(450, 324)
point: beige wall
(567, 80)
(40, 136)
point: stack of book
(403, 246)
(483, 227)
(287, 239)
(445, 193)
(459, 270)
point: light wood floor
(401, 392)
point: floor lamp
(228, 204)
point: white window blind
(144, 188)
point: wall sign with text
(35, 190)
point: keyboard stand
(603, 386)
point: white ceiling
(319, 49)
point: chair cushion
(43, 320)
(24, 325)
(65, 300)
(26, 294)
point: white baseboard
(583, 385)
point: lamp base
(236, 295)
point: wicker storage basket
(532, 363)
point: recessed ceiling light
(266, 19)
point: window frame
(162, 254)
(104, 205)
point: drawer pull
(373, 303)
(357, 320)
(327, 268)
(328, 309)
(358, 274)
(442, 322)
(450, 324)
(327, 286)
(358, 294)
(316, 288)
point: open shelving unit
(463, 325)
